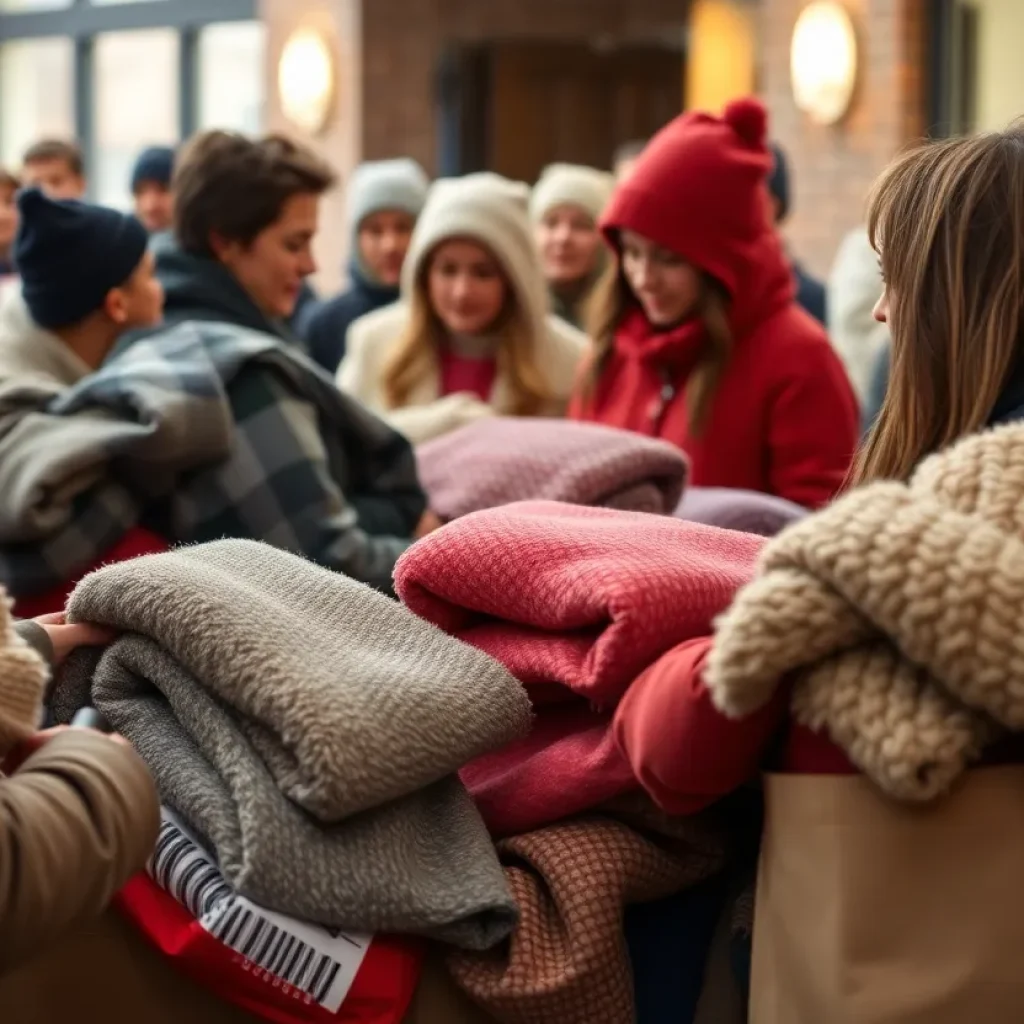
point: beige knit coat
(23, 675)
(898, 612)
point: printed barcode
(318, 963)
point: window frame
(83, 21)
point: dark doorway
(515, 107)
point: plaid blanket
(306, 468)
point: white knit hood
(493, 211)
(571, 185)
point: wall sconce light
(823, 61)
(306, 80)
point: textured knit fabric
(492, 211)
(783, 419)
(746, 511)
(898, 610)
(309, 749)
(63, 276)
(571, 185)
(23, 675)
(567, 961)
(576, 602)
(500, 461)
(308, 469)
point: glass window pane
(36, 94)
(33, 5)
(137, 104)
(231, 76)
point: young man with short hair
(151, 188)
(57, 167)
(245, 215)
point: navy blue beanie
(71, 254)
(778, 181)
(155, 164)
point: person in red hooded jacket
(698, 336)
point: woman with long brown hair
(698, 336)
(472, 335)
(947, 220)
(872, 665)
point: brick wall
(833, 167)
(403, 39)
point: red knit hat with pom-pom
(699, 189)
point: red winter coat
(784, 419)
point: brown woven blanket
(567, 962)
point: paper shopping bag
(871, 911)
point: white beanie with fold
(571, 185)
(493, 211)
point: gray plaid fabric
(307, 469)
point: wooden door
(570, 102)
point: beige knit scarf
(899, 612)
(23, 676)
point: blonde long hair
(948, 221)
(612, 299)
(418, 348)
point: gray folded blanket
(308, 729)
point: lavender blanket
(745, 511)
(500, 460)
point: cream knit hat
(571, 185)
(23, 675)
(491, 210)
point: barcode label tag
(320, 965)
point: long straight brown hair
(948, 222)
(419, 346)
(612, 299)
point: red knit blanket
(499, 460)
(576, 603)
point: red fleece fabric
(576, 603)
(784, 419)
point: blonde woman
(565, 206)
(472, 335)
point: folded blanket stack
(500, 460)
(568, 962)
(307, 729)
(576, 603)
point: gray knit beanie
(386, 185)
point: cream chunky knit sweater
(898, 612)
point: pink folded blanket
(576, 603)
(500, 460)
